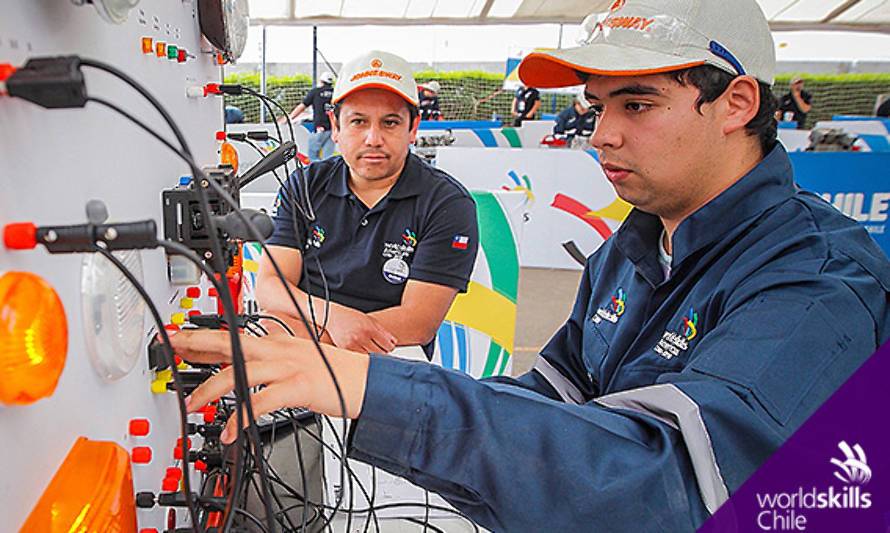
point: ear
(741, 103)
(335, 126)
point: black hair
(713, 82)
(413, 112)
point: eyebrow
(359, 114)
(636, 89)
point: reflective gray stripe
(670, 405)
(565, 388)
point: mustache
(364, 153)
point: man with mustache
(392, 240)
(727, 308)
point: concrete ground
(545, 300)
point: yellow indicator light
(177, 318)
(159, 385)
(33, 338)
(91, 491)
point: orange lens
(91, 491)
(33, 338)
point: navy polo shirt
(424, 229)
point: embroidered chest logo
(675, 343)
(615, 308)
(409, 238)
(395, 268)
(316, 238)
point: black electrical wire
(228, 199)
(114, 71)
(372, 509)
(425, 523)
(278, 321)
(180, 249)
(225, 296)
(297, 230)
(168, 352)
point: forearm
(803, 106)
(410, 326)
(273, 298)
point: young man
(723, 312)
(526, 102)
(319, 99)
(429, 101)
(795, 104)
(383, 240)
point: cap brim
(557, 68)
(390, 88)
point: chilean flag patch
(460, 242)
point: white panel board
(51, 163)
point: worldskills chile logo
(786, 511)
(613, 311)
(676, 342)
(317, 237)
(409, 238)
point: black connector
(216, 321)
(258, 135)
(190, 380)
(231, 89)
(147, 500)
(212, 458)
(157, 358)
(210, 432)
(50, 82)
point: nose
(374, 135)
(606, 133)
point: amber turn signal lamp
(91, 491)
(33, 338)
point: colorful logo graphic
(519, 185)
(854, 470)
(617, 4)
(376, 63)
(690, 325)
(409, 237)
(618, 301)
(460, 242)
(318, 236)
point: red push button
(193, 292)
(141, 454)
(170, 484)
(139, 427)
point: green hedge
(476, 95)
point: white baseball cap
(327, 77)
(376, 70)
(433, 86)
(640, 37)
(582, 101)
